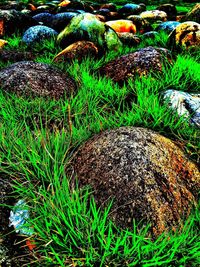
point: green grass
(38, 138)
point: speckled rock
(78, 50)
(141, 62)
(61, 20)
(154, 15)
(141, 24)
(185, 104)
(130, 9)
(167, 26)
(36, 79)
(186, 35)
(170, 10)
(44, 18)
(122, 25)
(146, 174)
(14, 56)
(12, 21)
(129, 39)
(88, 28)
(193, 15)
(37, 34)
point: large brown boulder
(36, 79)
(146, 174)
(142, 62)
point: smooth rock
(122, 25)
(154, 15)
(167, 26)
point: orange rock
(1, 27)
(122, 25)
(64, 3)
(32, 7)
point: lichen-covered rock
(142, 62)
(88, 28)
(78, 50)
(38, 34)
(128, 38)
(141, 24)
(170, 10)
(185, 104)
(122, 25)
(146, 174)
(36, 79)
(12, 21)
(186, 35)
(154, 15)
(193, 15)
(167, 26)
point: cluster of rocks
(147, 174)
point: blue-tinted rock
(36, 34)
(61, 20)
(167, 26)
(130, 9)
(44, 18)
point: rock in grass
(186, 35)
(130, 9)
(146, 174)
(142, 62)
(169, 9)
(61, 20)
(88, 28)
(44, 18)
(14, 56)
(2, 43)
(12, 21)
(194, 14)
(78, 50)
(185, 104)
(129, 39)
(168, 26)
(122, 25)
(154, 15)
(29, 78)
(38, 34)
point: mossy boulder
(147, 175)
(88, 28)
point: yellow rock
(122, 25)
(2, 43)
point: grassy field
(39, 136)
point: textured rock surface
(128, 38)
(187, 105)
(78, 50)
(14, 56)
(88, 28)
(187, 35)
(168, 26)
(36, 79)
(37, 34)
(154, 15)
(12, 21)
(130, 9)
(148, 176)
(141, 62)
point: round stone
(154, 15)
(38, 34)
(168, 26)
(147, 176)
(122, 25)
(29, 78)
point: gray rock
(37, 34)
(146, 174)
(185, 104)
(36, 79)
